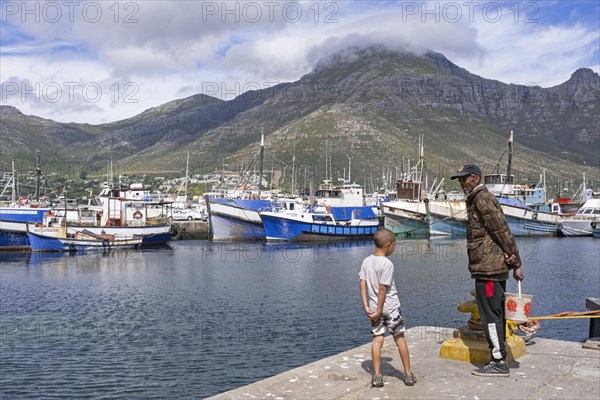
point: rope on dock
(533, 325)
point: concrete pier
(551, 369)
(193, 229)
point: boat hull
(576, 227)
(13, 240)
(151, 235)
(231, 228)
(529, 222)
(236, 219)
(40, 243)
(13, 226)
(447, 218)
(443, 226)
(406, 219)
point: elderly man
(492, 254)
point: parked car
(187, 214)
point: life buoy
(23, 201)
(137, 214)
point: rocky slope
(366, 104)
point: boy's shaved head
(382, 237)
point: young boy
(382, 305)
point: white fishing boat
(583, 222)
(122, 211)
(57, 238)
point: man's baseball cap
(467, 169)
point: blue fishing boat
(339, 223)
(17, 212)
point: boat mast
(421, 162)
(14, 185)
(510, 151)
(349, 169)
(326, 158)
(261, 162)
(293, 169)
(38, 174)
(187, 174)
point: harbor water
(199, 318)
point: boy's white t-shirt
(376, 270)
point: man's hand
(518, 275)
(510, 260)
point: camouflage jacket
(488, 237)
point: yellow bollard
(469, 343)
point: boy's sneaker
(410, 380)
(494, 368)
(377, 381)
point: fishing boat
(18, 212)
(337, 213)
(407, 215)
(235, 216)
(524, 207)
(123, 211)
(56, 238)
(583, 222)
(336, 223)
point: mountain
(367, 104)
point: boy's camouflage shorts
(394, 322)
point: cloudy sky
(101, 61)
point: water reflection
(169, 315)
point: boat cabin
(409, 190)
(339, 196)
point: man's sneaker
(494, 368)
